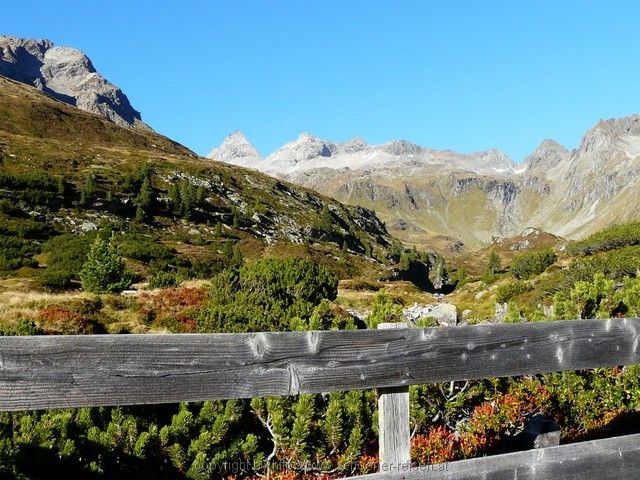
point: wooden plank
(615, 458)
(92, 370)
(393, 422)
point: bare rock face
(67, 75)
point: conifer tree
(174, 198)
(144, 200)
(88, 190)
(104, 270)
(495, 266)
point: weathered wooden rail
(94, 370)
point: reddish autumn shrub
(58, 320)
(438, 446)
(174, 308)
(490, 421)
(368, 463)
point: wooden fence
(77, 371)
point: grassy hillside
(64, 171)
(579, 272)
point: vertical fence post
(393, 423)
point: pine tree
(145, 196)
(141, 216)
(174, 198)
(227, 250)
(237, 259)
(187, 200)
(201, 195)
(104, 270)
(86, 195)
(495, 266)
(326, 220)
(236, 218)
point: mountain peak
(491, 161)
(237, 149)
(547, 155)
(605, 133)
(307, 137)
(68, 75)
(401, 147)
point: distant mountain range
(441, 198)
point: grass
(352, 294)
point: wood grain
(393, 421)
(92, 370)
(615, 458)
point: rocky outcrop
(442, 314)
(67, 75)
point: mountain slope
(73, 171)
(68, 75)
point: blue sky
(464, 75)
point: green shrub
(54, 279)
(615, 264)
(9, 208)
(617, 236)
(273, 294)
(600, 298)
(38, 180)
(23, 327)
(144, 249)
(528, 264)
(508, 290)
(16, 253)
(384, 309)
(66, 255)
(164, 280)
(32, 229)
(488, 277)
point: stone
(502, 309)
(88, 226)
(540, 431)
(444, 314)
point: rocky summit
(447, 200)
(68, 75)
